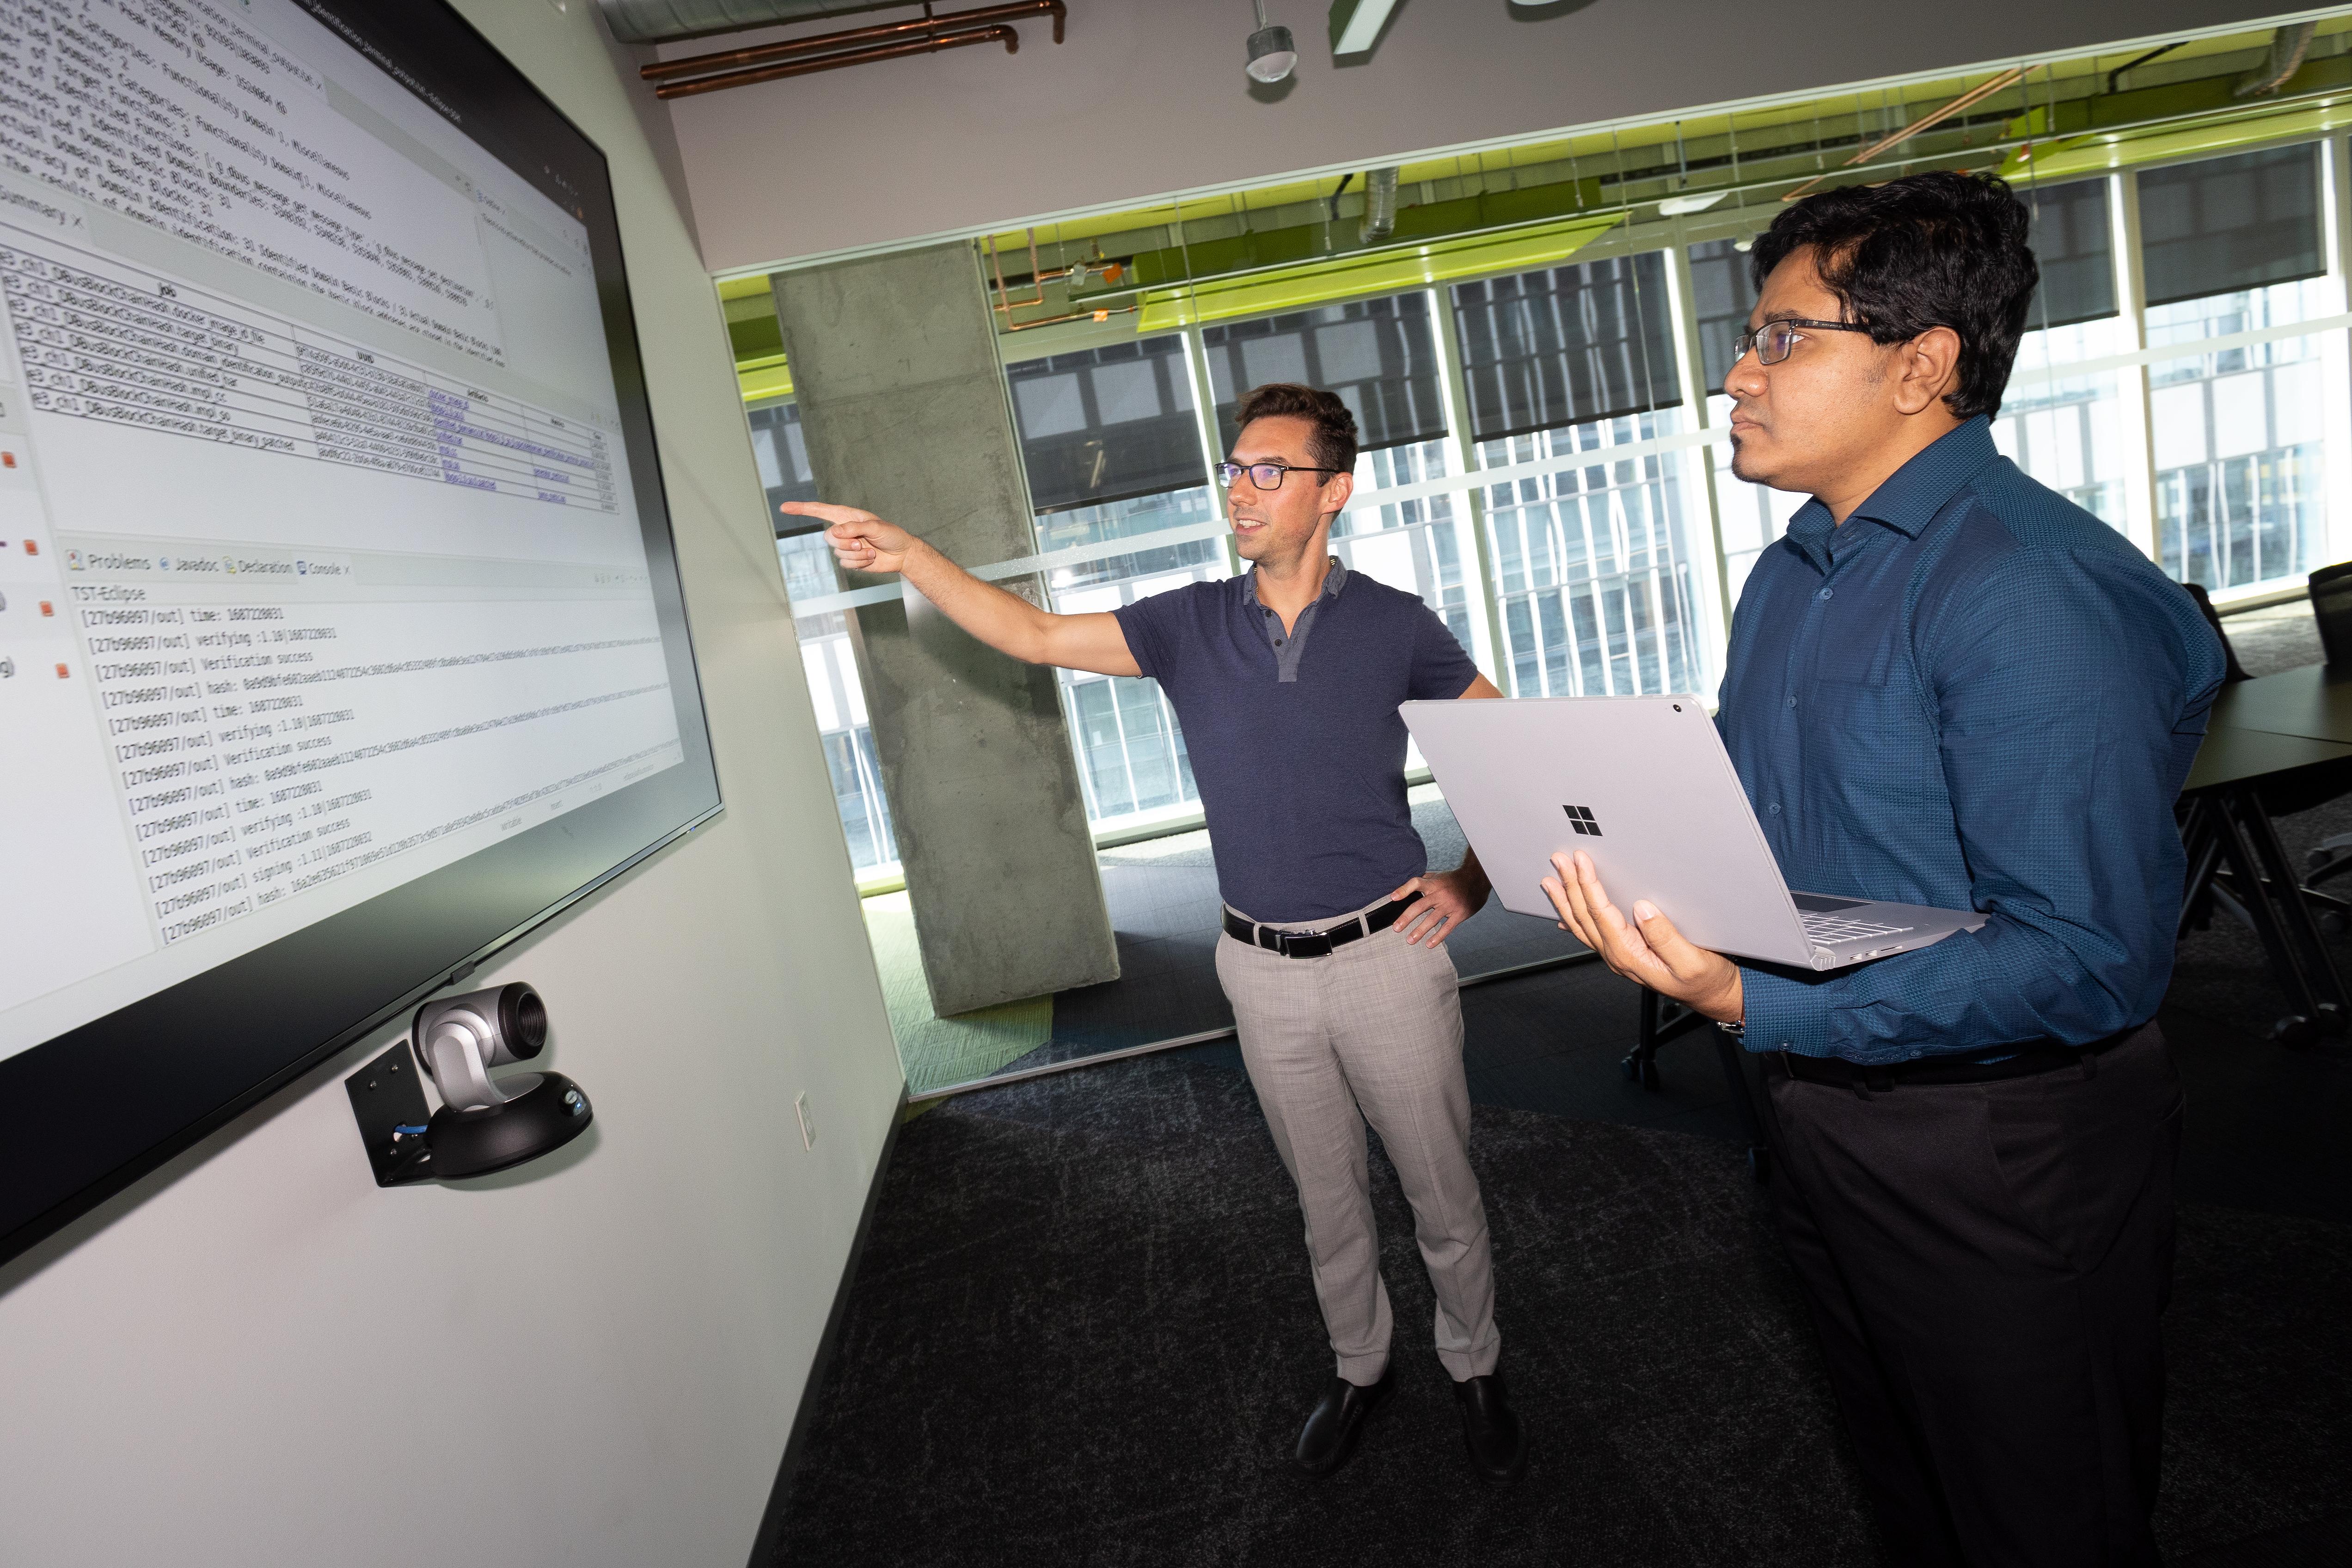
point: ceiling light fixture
(1356, 25)
(1271, 52)
(1675, 206)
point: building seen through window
(1591, 562)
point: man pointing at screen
(1287, 681)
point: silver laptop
(1643, 785)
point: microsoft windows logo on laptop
(1580, 818)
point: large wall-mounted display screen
(339, 636)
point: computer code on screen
(319, 564)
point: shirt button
(1278, 642)
(1774, 808)
(1792, 702)
(1829, 593)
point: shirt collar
(1333, 580)
(1912, 494)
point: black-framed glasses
(1773, 340)
(1265, 475)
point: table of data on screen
(103, 340)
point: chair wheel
(1759, 1164)
(2296, 1032)
(1649, 1078)
(1631, 1068)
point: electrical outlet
(808, 1128)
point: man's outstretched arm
(1005, 622)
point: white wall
(259, 1358)
(1148, 97)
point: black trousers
(1986, 1264)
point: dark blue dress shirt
(1296, 741)
(1973, 695)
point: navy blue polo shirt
(1298, 749)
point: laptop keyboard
(1828, 929)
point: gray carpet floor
(1084, 1333)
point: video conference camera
(485, 1123)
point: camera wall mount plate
(407, 1143)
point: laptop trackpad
(1815, 904)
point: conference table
(2275, 744)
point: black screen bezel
(93, 1110)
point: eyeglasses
(1773, 340)
(1265, 475)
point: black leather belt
(1314, 944)
(2026, 1062)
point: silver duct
(654, 21)
(1379, 205)
(2288, 46)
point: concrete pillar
(904, 406)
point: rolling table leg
(1660, 1021)
(2204, 850)
(1729, 1052)
(2304, 1025)
(2295, 919)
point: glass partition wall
(1544, 460)
(834, 689)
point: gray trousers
(1371, 1033)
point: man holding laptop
(1947, 687)
(1288, 680)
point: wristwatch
(1736, 1029)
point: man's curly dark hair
(1927, 250)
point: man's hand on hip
(1646, 949)
(861, 541)
(1445, 899)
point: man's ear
(1928, 370)
(1337, 490)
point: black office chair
(2213, 618)
(2331, 612)
(2331, 609)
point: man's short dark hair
(1333, 441)
(1927, 250)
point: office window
(2232, 245)
(1378, 355)
(1749, 517)
(1111, 446)
(1107, 424)
(1571, 345)
(2240, 464)
(2229, 224)
(2072, 245)
(1590, 550)
(1721, 299)
(2065, 430)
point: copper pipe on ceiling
(1073, 316)
(1005, 303)
(923, 45)
(1934, 117)
(825, 43)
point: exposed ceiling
(2059, 119)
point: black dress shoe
(1332, 1428)
(1498, 1448)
